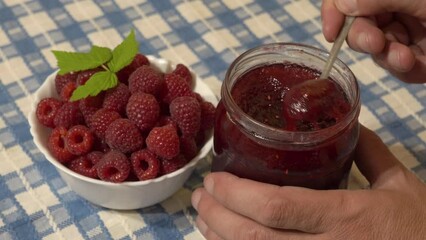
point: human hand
(393, 32)
(394, 208)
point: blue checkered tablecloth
(35, 203)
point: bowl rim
(34, 125)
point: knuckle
(360, 212)
(275, 211)
(351, 204)
(400, 178)
(402, 175)
(343, 201)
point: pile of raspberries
(150, 124)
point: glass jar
(250, 149)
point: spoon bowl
(308, 99)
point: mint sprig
(96, 83)
(110, 60)
(123, 54)
(77, 61)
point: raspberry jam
(275, 124)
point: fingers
(400, 48)
(396, 57)
(222, 222)
(332, 20)
(374, 159)
(415, 75)
(415, 8)
(366, 37)
(277, 207)
(217, 222)
(390, 46)
(396, 32)
(414, 29)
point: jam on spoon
(311, 98)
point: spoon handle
(336, 46)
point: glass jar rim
(280, 136)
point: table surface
(35, 203)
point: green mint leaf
(75, 61)
(98, 82)
(124, 53)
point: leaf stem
(104, 67)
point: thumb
(374, 159)
(415, 8)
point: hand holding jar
(229, 207)
(394, 208)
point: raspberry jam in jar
(275, 124)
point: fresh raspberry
(175, 87)
(85, 75)
(188, 147)
(139, 60)
(117, 98)
(164, 120)
(100, 145)
(100, 121)
(171, 165)
(67, 91)
(146, 79)
(124, 74)
(183, 72)
(85, 165)
(143, 109)
(95, 156)
(79, 140)
(89, 105)
(68, 115)
(163, 141)
(113, 167)
(123, 135)
(46, 111)
(207, 115)
(186, 112)
(145, 164)
(197, 96)
(56, 145)
(62, 80)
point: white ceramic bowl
(127, 195)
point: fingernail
(395, 61)
(347, 6)
(195, 198)
(363, 42)
(209, 184)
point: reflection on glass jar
(273, 125)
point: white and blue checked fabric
(35, 203)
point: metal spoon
(336, 46)
(303, 100)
